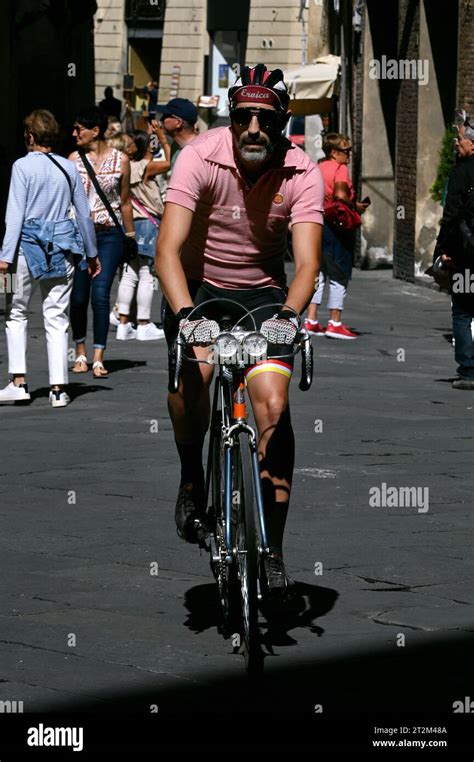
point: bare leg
(189, 407)
(269, 396)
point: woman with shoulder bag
(42, 244)
(341, 217)
(105, 173)
(147, 211)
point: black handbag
(129, 244)
(440, 273)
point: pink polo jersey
(238, 236)
(333, 173)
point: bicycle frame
(229, 398)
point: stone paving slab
(85, 567)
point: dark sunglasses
(268, 120)
(344, 150)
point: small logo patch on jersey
(278, 199)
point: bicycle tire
(225, 575)
(247, 559)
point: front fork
(230, 443)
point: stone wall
(406, 146)
(430, 131)
(185, 43)
(110, 42)
(274, 36)
(376, 122)
(465, 88)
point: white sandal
(82, 359)
(98, 365)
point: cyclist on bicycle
(233, 193)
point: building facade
(110, 47)
(405, 65)
(416, 67)
(185, 46)
(206, 42)
(128, 37)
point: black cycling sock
(275, 520)
(192, 471)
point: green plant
(445, 162)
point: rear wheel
(247, 557)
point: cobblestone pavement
(87, 503)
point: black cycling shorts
(264, 302)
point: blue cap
(180, 107)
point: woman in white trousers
(41, 247)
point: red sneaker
(316, 329)
(339, 332)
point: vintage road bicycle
(238, 539)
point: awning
(312, 87)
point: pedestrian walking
(455, 248)
(111, 106)
(41, 247)
(151, 90)
(105, 174)
(147, 212)
(338, 240)
(178, 118)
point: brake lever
(306, 361)
(175, 371)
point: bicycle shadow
(203, 607)
(306, 604)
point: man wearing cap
(231, 197)
(179, 117)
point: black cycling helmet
(260, 85)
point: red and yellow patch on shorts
(268, 366)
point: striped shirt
(39, 190)
(108, 176)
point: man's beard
(255, 155)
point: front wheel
(224, 574)
(247, 557)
